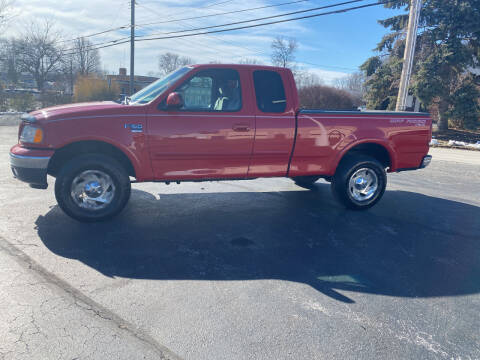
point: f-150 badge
(136, 128)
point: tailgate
(411, 142)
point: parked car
(213, 122)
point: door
(275, 125)
(210, 136)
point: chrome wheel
(363, 184)
(92, 190)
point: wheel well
(62, 155)
(376, 151)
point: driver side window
(212, 90)
(197, 93)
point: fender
(127, 151)
(385, 144)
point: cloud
(74, 18)
(327, 76)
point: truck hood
(77, 110)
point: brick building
(123, 81)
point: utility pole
(415, 7)
(132, 46)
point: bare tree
(38, 53)
(250, 61)
(69, 71)
(82, 59)
(86, 57)
(8, 60)
(169, 62)
(283, 52)
(353, 83)
(305, 78)
(5, 13)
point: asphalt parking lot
(246, 270)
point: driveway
(256, 269)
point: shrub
(3, 99)
(326, 97)
(23, 102)
(94, 89)
(54, 98)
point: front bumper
(30, 168)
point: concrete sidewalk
(456, 155)
(9, 119)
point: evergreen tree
(447, 50)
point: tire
(350, 184)
(92, 188)
(305, 181)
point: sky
(330, 46)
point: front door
(210, 136)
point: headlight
(31, 134)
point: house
(123, 81)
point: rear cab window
(269, 91)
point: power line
(96, 34)
(262, 53)
(222, 13)
(123, 40)
(257, 19)
(98, 45)
(268, 23)
(233, 23)
(123, 27)
(218, 3)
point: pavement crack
(82, 301)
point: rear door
(275, 124)
(210, 136)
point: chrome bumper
(426, 161)
(29, 162)
(30, 169)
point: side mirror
(174, 101)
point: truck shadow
(409, 245)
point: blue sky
(329, 46)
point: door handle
(241, 127)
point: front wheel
(92, 188)
(359, 182)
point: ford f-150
(213, 122)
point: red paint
(181, 145)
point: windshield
(153, 90)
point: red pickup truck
(213, 122)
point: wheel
(92, 188)
(305, 181)
(359, 182)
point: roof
(245, 66)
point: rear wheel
(305, 181)
(92, 188)
(359, 182)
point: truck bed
(368, 112)
(324, 136)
